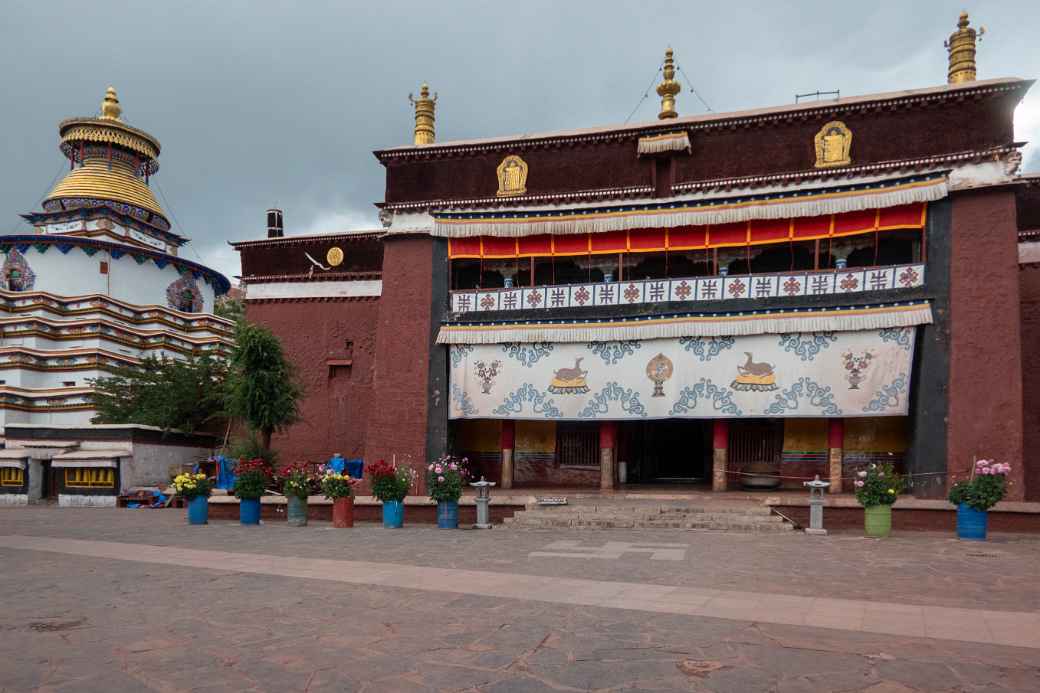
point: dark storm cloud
(261, 104)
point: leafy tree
(166, 393)
(262, 386)
(233, 309)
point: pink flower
(453, 466)
(440, 479)
(438, 469)
(430, 467)
(859, 484)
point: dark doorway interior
(667, 451)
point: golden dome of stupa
(114, 163)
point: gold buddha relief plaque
(833, 143)
(512, 176)
(334, 257)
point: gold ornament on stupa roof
(961, 48)
(424, 115)
(110, 108)
(668, 89)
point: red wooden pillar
(508, 440)
(720, 454)
(835, 452)
(607, 445)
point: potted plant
(975, 496)
(297, 481)
(251, 479)
(195, 489)
(444, 479)
(390, 485)
(339, 488)
(877, 488)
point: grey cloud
(261, 104)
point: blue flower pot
(448, 514)
(198, 510)
(249, 511)
(971, 523)
(393, 514)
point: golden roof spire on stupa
(424, 115)
(668, 88)
(961, 47)
(110, 108)
(114, 161)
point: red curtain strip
(756, 232)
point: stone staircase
(628, 513)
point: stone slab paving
(422, 609)
(1017, 628)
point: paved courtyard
(112, 600)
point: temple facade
(97, 283)
(731, 299)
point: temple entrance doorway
(668, 451)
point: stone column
(835, 452)
(508, 441)
(720, 456)
(607, 445)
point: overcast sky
(261, 104)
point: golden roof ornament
(110, 108)
(424, 115)
(668, 88)
(961, 47)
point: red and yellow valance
(745, 233)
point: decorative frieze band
(690, 290)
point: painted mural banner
(817, 374)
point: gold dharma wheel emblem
(334, 257)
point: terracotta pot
(343, 512)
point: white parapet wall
(70, 500)
(8, 499)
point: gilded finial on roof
(110, 108)
(424, 115)
(961, 47)
(668, 88)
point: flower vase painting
(855, 366)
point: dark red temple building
(714, 299)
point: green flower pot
(296, 511)
(877, 521)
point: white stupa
(99, 282)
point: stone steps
(624, 515)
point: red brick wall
(398, 408)
(1030, 290)
(334, 411)
(985, 382)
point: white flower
(861, 475)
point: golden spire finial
(424, 114)
(668, 88)
(110, 108)
(961, 47)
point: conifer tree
(262, 386)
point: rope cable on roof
(646, 94)
(694, 91)
(46, 190)
(173, 216)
